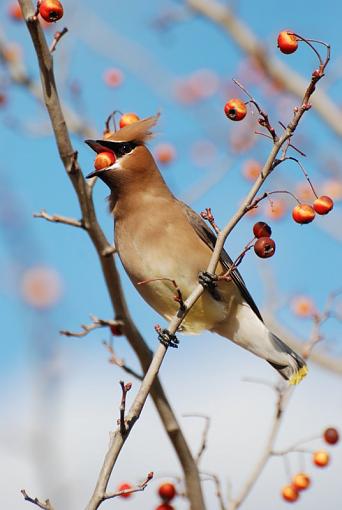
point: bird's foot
(208, 281)
(166, 338)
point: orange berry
(333, 188)
(323, 204)
(287, 42)
(290, 493)
(261, 229)
(276, 209)
(14, 11)
(235, 109)
(113, 77)
(301, 481)
(303, 306)
(251, 170)
(127, 119)
(165, 153)
(303, 213)
(321, 458)
(50, 10)
(41, 287)
(167, 491)
(265, 247)
(124, 487)
(104, 159)
(331, 435)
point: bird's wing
(209, 238)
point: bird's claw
(208, 281)
(168, 339)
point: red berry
(261, 229)
(301, 481)
(323, 204)
(265, 247)
(321, 458)
(116, 330)
(124, 487)
(303, 213)
(331, 435)
(50, 10)
(104, 159)
(167, 491)
(290, 493)
(165, 506)
(287, 42)
(235, 109)
(127, 119)
(14, 11)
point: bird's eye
(124, 148)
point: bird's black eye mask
(119, 148)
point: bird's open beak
(97, 173)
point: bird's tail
(295, 369)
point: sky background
(60, 396)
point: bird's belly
(153, 270)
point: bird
(161, 241)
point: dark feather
(208, 236)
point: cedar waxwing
(159, 239)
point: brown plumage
(160, 238)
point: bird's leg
(166, 338)
(208, 281)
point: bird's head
(133, 159)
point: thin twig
(45, 505)
(208, 216)
(56, 218)
(125, 389)
(87, 328)
(57, 37)
(141, 487)
(114, 360)
(205, 432)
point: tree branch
(56, 218)
(46, 505)
(110, 272)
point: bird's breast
(160, 251)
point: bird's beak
(97, 173)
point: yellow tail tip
(298, 376)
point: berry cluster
(264, 247)
(305, 213)
(320, 458)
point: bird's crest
(138, 132)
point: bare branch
(114, 360)
(56, 218)
(205, 432)
(282, 400)
(57, 37)
(125, 389)
(141, 487)
(87, 328)
(45, 505)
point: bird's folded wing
(209, 238)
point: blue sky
(120, 34)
